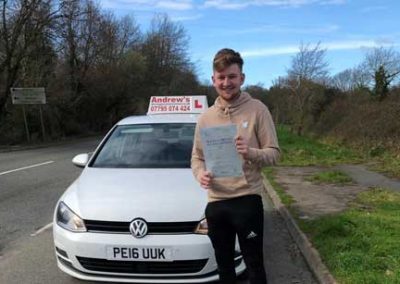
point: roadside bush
(362, 122)
(372, 124)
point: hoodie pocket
(229, 184)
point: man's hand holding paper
(242, 146)
(205, 178)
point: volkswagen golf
(136, 213)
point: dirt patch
(315, 200)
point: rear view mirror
(81, 160)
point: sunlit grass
(305, 151)
(333, 177)
(362, 244)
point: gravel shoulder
(314, 200)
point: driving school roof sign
(28, 96)
(177, 104)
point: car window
(166, 145)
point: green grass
(286, 199)
(361, 245)
(388, 163)
(333, 177)
(305, 151)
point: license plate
(139, 253)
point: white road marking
(27, 167)
(41, 230)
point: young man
(235, 205)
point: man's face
(227, 82)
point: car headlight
(67, 219)
(202, 227)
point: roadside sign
(177, 104)
(28, 96)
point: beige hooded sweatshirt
(254, 122)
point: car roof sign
(177, 104)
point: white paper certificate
(220, 154)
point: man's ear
(243, 77)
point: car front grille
(153, 228)
(142, 267)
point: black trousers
(244, 217)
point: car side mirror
(81, 160)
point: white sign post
(29, 96)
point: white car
(136, 213)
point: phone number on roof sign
(170, 108)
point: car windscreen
(167, 145)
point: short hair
(225, 58)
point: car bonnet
(156, 195)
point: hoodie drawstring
(227, 112)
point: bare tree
(308, 69)
(22, 25)
(89, 61)
(95, 52)
(129, 35)
(115, 38)
(350, 80)
(78, 45)
(360, 77)
(343, 80)
(165, 49)
(309, 64)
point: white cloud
(264, 52)
(179, 5)
(225, 5)
(238, 4)
(348, 45)
(175, 5)
(186, 18)
(373, 9)
(283, 29)
(333, 2)
(148, 4)
(291, 49)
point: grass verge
(362, 244)
(286, 199)
(387, 163)
(333, 177)
(305, 151)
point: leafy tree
(381, 83)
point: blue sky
(268, 33)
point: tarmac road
(31, 181)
